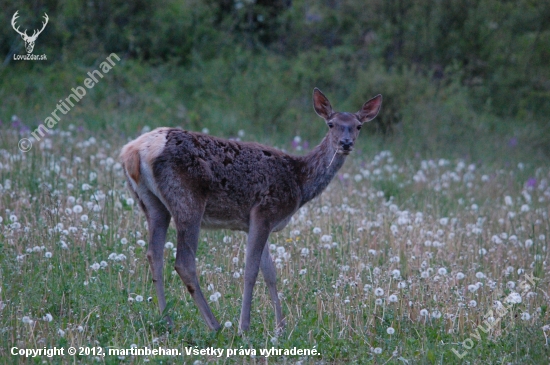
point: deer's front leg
(257, 239)
(270, 276)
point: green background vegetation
(463, 78)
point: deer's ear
(370, 109)
(321, 104)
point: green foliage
(452, 73)
(499, 48)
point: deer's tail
(140, 154)
(129, 156)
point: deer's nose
(346, 143)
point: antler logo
(29, 41)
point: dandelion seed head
(436, 314)
(472, 288)
(508, 200)
(514, 298)
(326, 238)
(214, 297)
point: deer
(202, 181)
(29, 41)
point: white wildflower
(436, 314)
(472, 288)
(214, 297)
(508, 200)
(513, 298)
(326, 238)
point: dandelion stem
(332, 158)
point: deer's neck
(318, 168)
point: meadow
(429, 247)
(402, 260)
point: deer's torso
(232, 177)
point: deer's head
(344, 127)
(29, 40)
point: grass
(427, 247)
(269, 98)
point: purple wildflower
(531, 182)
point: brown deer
(209, 182)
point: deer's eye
(359, 126)
(330, 124)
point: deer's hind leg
(188, 219)
(158, 220)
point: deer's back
(232, 177)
